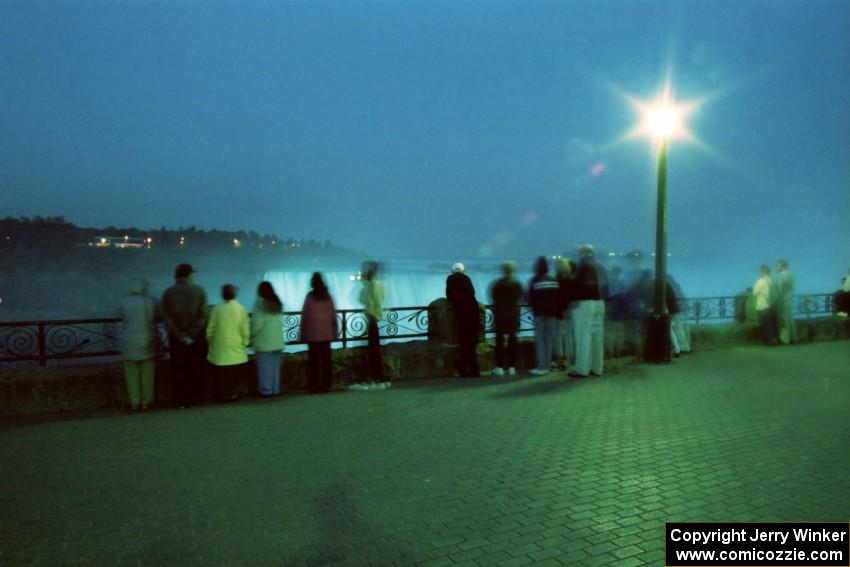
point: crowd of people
(568, 309)
(208, 348)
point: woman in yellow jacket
(228, 337)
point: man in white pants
(591, 290)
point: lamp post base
(658, 346)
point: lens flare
(662, 119)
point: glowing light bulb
(663, 122)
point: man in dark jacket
(184, 309)
(590, 292)
(544, 295)
(461, 295)
(506, 294)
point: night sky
(413, 128)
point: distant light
(236, 243)
(103, 241)
(663, 122)
(126, 237)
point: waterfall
(403, 287)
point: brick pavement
(441, 472)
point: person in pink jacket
(318, 329)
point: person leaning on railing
(506, 293)
(591, 286)
(841, 298)
(318, 329)
(461, 295)
(228, 337)
(764, 294)
(139, 316)
(785, 330)
(372, 298)
(184, 308)
(267, 339)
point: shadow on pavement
(346, 535)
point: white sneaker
(498, 371)
(511, 371)
(538, 372)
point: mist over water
(410, 283)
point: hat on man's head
(458, 268)
(184, 271)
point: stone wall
(34, 390)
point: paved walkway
(442, 472)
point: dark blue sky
(431, 128)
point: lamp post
(658, 327)
(663, 123)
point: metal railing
(86, 338)
(730, 308)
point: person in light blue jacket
(267, 339)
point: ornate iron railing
(85, 338)
(397, 323)
(58, 339)
(699, 309)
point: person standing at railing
(372, 299)
(506, 293)
(228, 336)
(763, 294)
(461, 295)
(591, 291)
(139, 316)
(267, 339)
(318, 330)
(184, 308)
(564, 348)
(680, 331)
(544, 296)
(841, 298)
(786, 332)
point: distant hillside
(50, 268)
(40, 233)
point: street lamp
(662, 121)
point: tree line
(55, 232)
